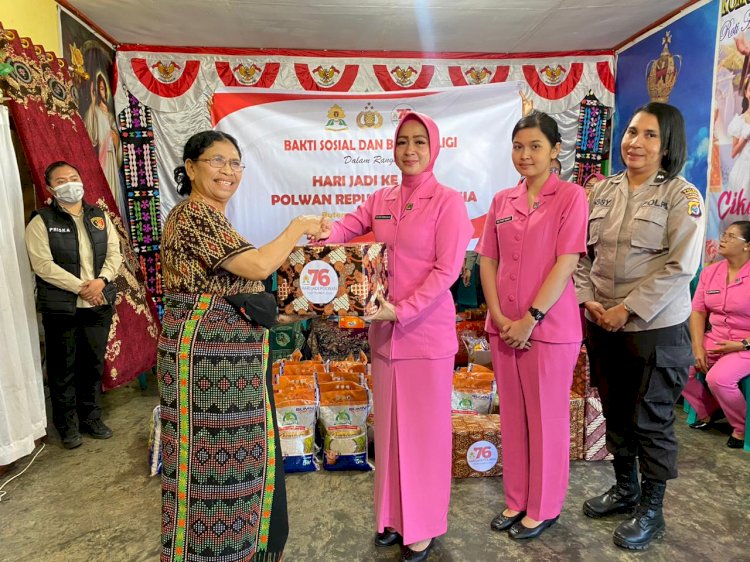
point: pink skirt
(413, 440)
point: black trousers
(75, 346)
(640, 375)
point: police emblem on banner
(336, 119)
(369, 118)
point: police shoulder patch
(691, 194)
(694, 209)
(98, 223)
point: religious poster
(674, 65)
(728, 197)
(91, 63)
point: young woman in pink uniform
(533, 237)
(413, 338)
(723, 352)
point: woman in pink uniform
(533, 237)
(723, 352)
(413, 338)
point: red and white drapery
(178, 84)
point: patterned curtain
(142, 193)
(50, 128)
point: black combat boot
(620, 498)
(647, 523)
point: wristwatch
(626, 307)
(106, 282)
(746, 344)
(536, 314)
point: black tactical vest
(63, 243)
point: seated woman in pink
(723, 352)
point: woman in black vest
(75, 254)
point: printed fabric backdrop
(728, 197)
(675, 66)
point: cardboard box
(577, 428)
(334, 279)
(476, 446)
(594, 447)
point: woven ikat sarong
(223, 495)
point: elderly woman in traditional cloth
(413, 339)
(223, 494)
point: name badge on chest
(383, 217)
(504, 219)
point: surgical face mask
(70, 192)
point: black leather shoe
(700, 424)
(520, 532)
(96, 429)
(735, 443)
(71, 439)
(414, 555)
(502, 522)
(387, 538)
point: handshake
(315, 227)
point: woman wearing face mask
(532, 239)
(413, 338)
(75, 254)
(646, 228)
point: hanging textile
(50, 128)
(142, 193)
(22, 415)
(591, 152)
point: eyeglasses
(731, 236)
(219, 162)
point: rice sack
(343, 421)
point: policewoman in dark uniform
(75, 254)
(646, 228)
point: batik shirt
(197, 239)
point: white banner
(315, 153)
